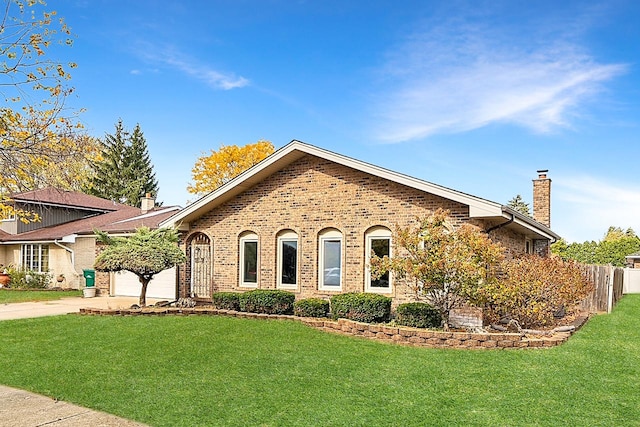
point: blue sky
(472, 95)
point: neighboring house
(63, 241)
(306, 220)
(633, 260)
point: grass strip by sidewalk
(9, 296)
(219, 371)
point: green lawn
(218, 371)
(10, 296)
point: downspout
(513, 217)
(73, 254)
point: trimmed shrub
(311, 307)
(418, 315)
(361, 307)
(226, 300)
(269, 301)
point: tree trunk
(143, 291)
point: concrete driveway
(23, 310)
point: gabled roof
(478, 207)
(104, 215)
(53, 196)
(124, 220)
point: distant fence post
(610, 289)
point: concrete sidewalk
(19, 408)
(24, 310)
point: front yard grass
(220, 371)
(8, 296)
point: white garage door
(162, 286)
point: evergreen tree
(108, 180)
(142, 179)
(124, 173)
(519, 205)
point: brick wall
(307, 197)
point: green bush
(226, 300)
(361, 307)
(418, 315)
(269, 301)
(311, 307)
(28, 279)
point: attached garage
(162, 286)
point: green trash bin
(89, 277)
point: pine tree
(125, 173)
(108, 181)
(519, 205)
(142, 179)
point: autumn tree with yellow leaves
(219, 167)
(41, 141)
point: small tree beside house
(439, 263)
(145, 253)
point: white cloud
(455, 77)
(584, 207)
(212, 77)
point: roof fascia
(479, 208)
(530, 224)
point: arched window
(287, 259)
(249, 260)
(378, 242)
(330, 260)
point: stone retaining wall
(392, 334)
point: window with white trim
(249, 260)
(330, 260)
(528, 246)
(35, 257)
(378, 242)
(288, 260)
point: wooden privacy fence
(609, 283)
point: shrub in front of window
(418, 315)
(269, 301)
(361, 307)
(28, 279)
(226, 300)
(311, 307)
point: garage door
(162, 286)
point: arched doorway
(201, 262)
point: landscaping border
(392, 334)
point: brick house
(306, 219)
(63, 241)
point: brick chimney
(147, 203)
(542, 198)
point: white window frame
(288, 236)
(528, 246)
(328, 236)
(248, 238)
(36, 252)
(376, 233)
